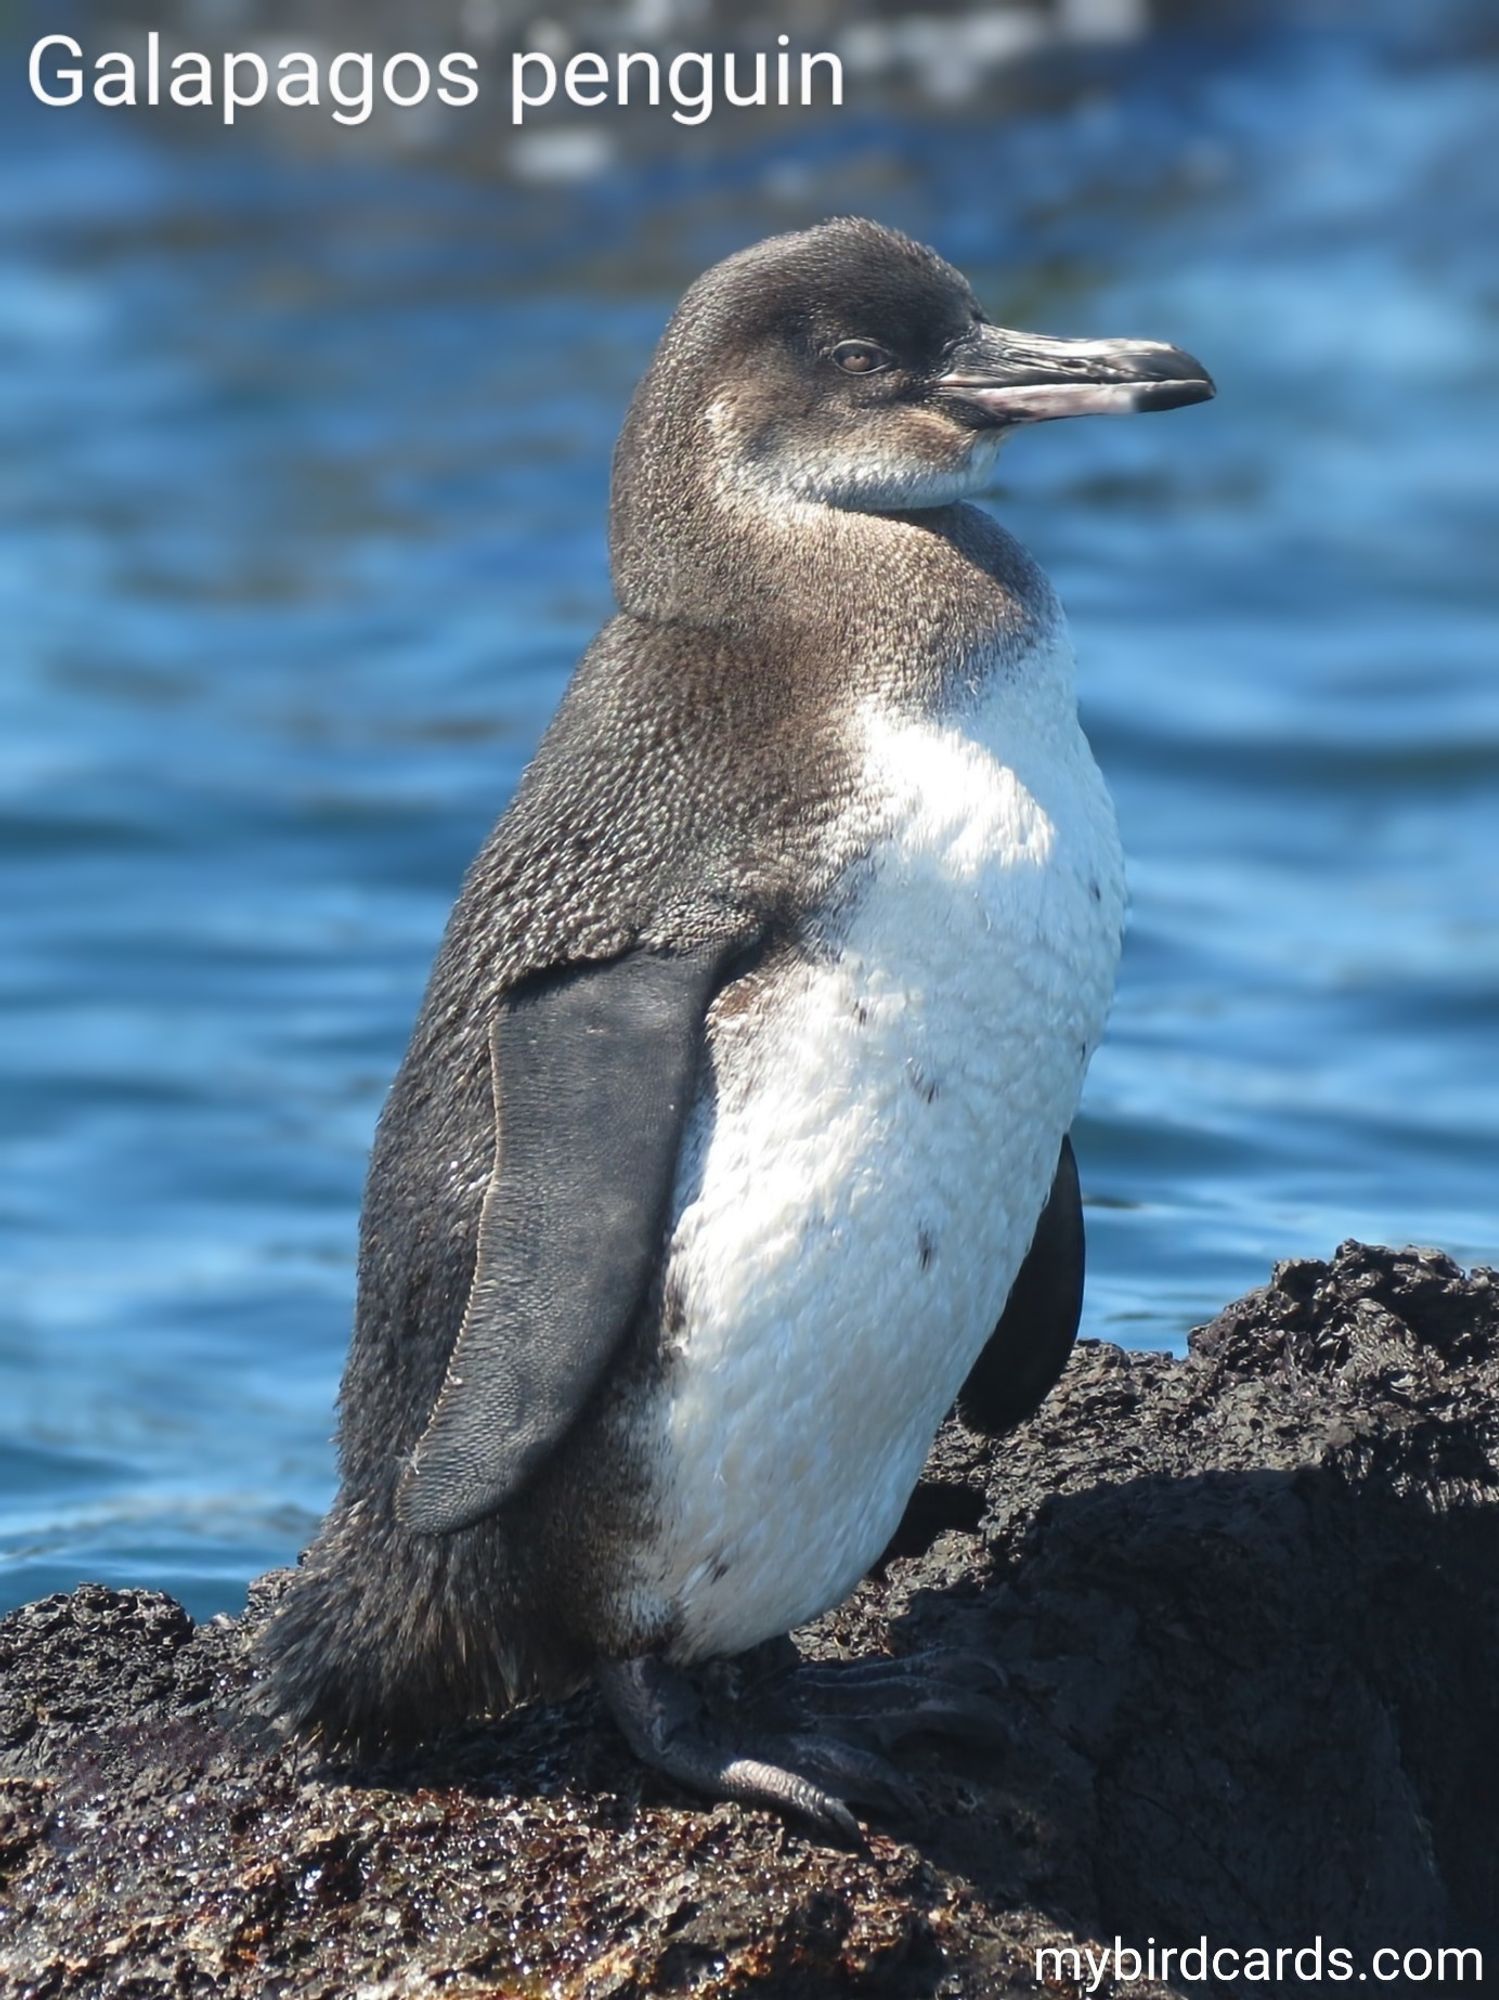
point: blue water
(303, 466)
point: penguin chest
(864, 1170)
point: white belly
(861, 1186)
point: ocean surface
(303, 468)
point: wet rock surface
(1248, 1605)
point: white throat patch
(869, 481)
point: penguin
(730, 1150)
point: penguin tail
(366, 1652)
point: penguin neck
(909, 605)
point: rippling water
(303, 470)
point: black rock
(1248, 1604)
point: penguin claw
(863, 1774)
(756, 1781)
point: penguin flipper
(593, 1068)
(1028, 1350)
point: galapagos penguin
(730, 1149)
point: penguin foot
(663, 1720)
(941, 1692)
(788, 1758)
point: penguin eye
(861, 357)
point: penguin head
(848, 366)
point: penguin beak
(1003, 377)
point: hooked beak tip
(1176, 394)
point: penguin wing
(593, 1068)
(1028, 1350)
